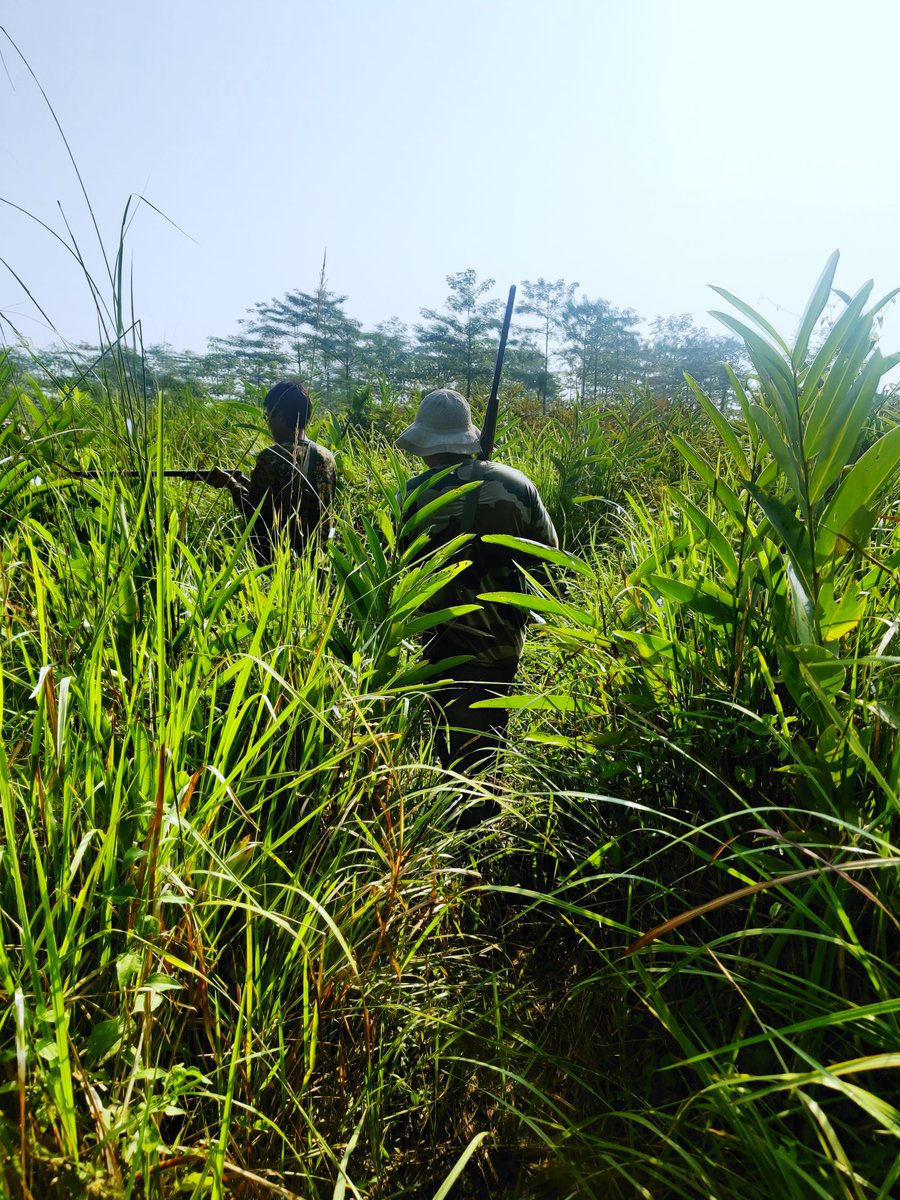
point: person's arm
(238, 487)
(255, 493)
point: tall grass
(245, 950)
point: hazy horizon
(646, 151)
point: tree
(601, 345)
(546, 301)
(386, 352)
(172, 370)
(256, 358)
(525, 365)
(283, 322)
(678, 345)
(312, 336)
(457, 341)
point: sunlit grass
(245, 945)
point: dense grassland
(245, 951)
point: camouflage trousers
(469, 739)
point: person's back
(504, 502)
(292, 483)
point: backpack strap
(304, 470)
(470, 506)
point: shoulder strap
(470, 504)
(304, 470)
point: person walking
(493, 636)
(292, 482)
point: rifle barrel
(175, 473)
(489, 429)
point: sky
(643, 148)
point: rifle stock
(489, 428)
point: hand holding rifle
(217, 477)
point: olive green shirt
(506, 502)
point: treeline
(563, 346)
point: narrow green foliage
(246, 946)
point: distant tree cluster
(563, 346)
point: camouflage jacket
(289, 499)
(506, 502)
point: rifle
(196, 476)
(489, 428)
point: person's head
(443, 425)
(287, 409)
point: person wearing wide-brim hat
(493, 636)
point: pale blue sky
(644, 148)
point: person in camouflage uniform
(292, 482)
(493, 636)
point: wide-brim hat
(443, 425)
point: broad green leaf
(104, 1040)
(762, 354)
(704, 597)
(548, 702)
(849, 331)
(744, 401)
(540, 604)
(781, 452)
(814, 309)
(792, 532)
(708, 529)
(831, 715)
(757, 318)
(883, 302)
(418, 556)
(650, 646)
(767, 476)
(424, 514)
(800, 688)
(560, 558)
(721, 425)
(782, 403)
(7, 404)
(128, 966)
(857, 489)
(429, 479)
(804, 609)
(857, 530)
(843, 435)
(386, 527)
(427, 672)
(375, 544)
(885, 713)
(834, 386)
(715, 484)
(838, 617)
(670, 549)
(418, 584)
(824, 666)
(429, 620)
(694, 459)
